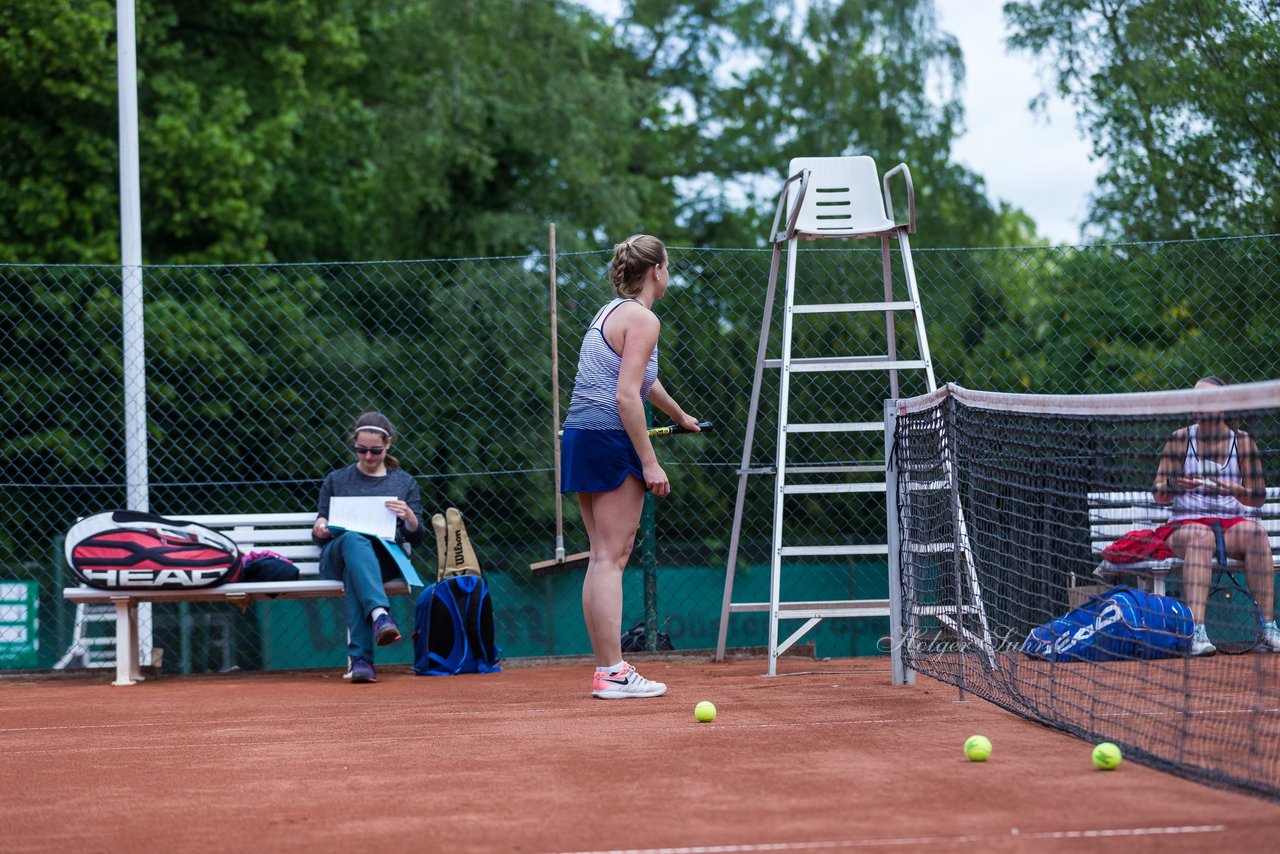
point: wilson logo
(459, 555)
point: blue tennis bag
(1122, 624)
(453, 629)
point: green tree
(1182, 101)
(302, 130)
(247, 129)
(58, 159)
(494, 120)
(306, 130)
(762, 81)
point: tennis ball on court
(977, 748)
(704, 712)
(1106, 756)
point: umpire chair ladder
(829, 198)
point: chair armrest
(911, 196)
(776, 236)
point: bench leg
(1157, 585)
(127, 670)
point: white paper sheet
(365, 514)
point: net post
(902, 675)
(960, 554)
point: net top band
(1232, 398)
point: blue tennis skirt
(596, 460)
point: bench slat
(1114, 514)
(253, 520)
(310, 589)
(293, 553)
(261, 536)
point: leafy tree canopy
(299, 130)
(1182, 101)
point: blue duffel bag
(1121, 624)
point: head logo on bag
(129, 550)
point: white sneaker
(623, 684)
(1271, 636)
(1200, 644)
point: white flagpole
(135, 368)
(133, 330)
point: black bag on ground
(636, 639)
(128, 549)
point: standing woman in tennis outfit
(607, 458)
(351, 557)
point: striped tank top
(1201, 503)
(594, 405)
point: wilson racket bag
(130, 550)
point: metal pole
(555, 393)
(135, 379)
(649, 559)
(902, 675)
(132, 330)
(747, 444)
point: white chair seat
(842, 199)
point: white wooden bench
(1114, 514)
(287, 534)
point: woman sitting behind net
(1210, 471)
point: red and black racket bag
(130, 550)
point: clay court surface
(827, 756)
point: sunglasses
(377, 452)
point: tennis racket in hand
(672, 429)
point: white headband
(368, 427)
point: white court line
(1128, 831)
(129, 725)
(224, 725)
(829, 723)
(229, 742)
(789, 846)
(229, 733)
(222, 722)
(916, 840)
(858, 672)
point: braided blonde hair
(632, 260)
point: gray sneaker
(1200, 644)
(1271, 636)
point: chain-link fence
(254, 374)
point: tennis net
(1002, 507)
